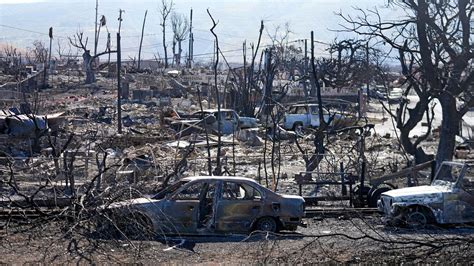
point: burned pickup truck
(300, 116)
(208, 205)
(198, 121)
(449, 199)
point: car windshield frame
(441, 178)
(170, 190)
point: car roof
(304, 104)
(223, 178)
(214, 110)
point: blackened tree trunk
(449, 128)
(165, 47)
(165, 10)
(90, 74)
(438, 36)
(180, 50)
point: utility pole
(119, 87)
(50, 47)
(305, 70)
(267, 100)
(96, 26)
(367, 68)
(120, 19)
(191, 40)
(141, 41)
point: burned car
(300, 116)
(230, 122)
(449, 199)
(210, 205)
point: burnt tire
(374, 196)
(298, 128)
(266, 224)
(418, 218)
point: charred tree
(165, 10)
(88, 59)
(218, 169)
(180, 27)
(438, 36)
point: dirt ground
(334, 240)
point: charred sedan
(210, 205)
(449, 199)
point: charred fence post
(362, 180)
(341, 169)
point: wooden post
(341, 170)
(305, 69)
(362, 181)
(49, 57)
(367, 68)
(119, 89)
(141, 40)
(191, 40)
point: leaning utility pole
(96, 26)
(141, 41)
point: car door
(307, 116)
(313, 115)
(459, 202)
(238, 206)
(181, 209)
(466, 197)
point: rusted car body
(449, 199)
(213, 205)
(230, 122)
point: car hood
(417, 191)
(133, 202)
(292, 197)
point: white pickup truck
(230, 121)
(305, 115)
(449, 199)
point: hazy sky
(23, 21)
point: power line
(32, 31)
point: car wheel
(298, 128)
(267, 224)
(416, 219)
(374, 196)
